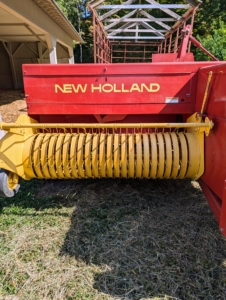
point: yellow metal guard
(31, 151)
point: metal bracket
(196, 118)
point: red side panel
(214, 177)
(161, 88)
(171, 57)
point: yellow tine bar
(194, 156)
(95, 153)
(131, 156)
(102, 158)
(169, 155)
(44, 155)
(28, 156)
(124, 156)
(184, 156)
(51, 156)
(7, 126)
(161, 158)
(176, 156)
(109, 155)
(154, 156)
(117, 156)
(73, 155)
(139, 156)
(146, 166)
(59, 158)
(37, 158)
(66, 156)
(80, 154)
(88, 155)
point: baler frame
(176, 39)
(142, 120)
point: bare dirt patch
(12, 104)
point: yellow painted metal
(80, 154)
(139, 155)
(183, 155)
(44, 155)
(102, 157)
(59, 156)
(95, 154)
(146, 156)
(161, 155)
(9, 126)
(66, 157)
(194, 156)
(12, 180)
(206, 91)
(110, 156)
(169, 155)
(117, 151)
(199, 132)
(73, 156)
(32, 154)
(52, 157)
(149, 155)
(37, 156)
(88, 149)
(154, 156)
(176, 156)
(124, 155)
(27, 156)
(131, 156)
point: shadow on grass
(144, 238)
(43, 194)
(150, 238)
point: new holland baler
(160, 119)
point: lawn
(110, 239)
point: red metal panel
(215, 144)
(216, 102)
(214, 202)
(56, 108)
(215, 159)
(223, 212)
(111, 89)
(171, 57)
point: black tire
(5, 189)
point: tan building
(32, 31)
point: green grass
(104, 239)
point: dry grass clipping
(103, 239)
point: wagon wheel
(9, 183)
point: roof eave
(56, 14)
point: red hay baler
(163, 116)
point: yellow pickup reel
(64, 151)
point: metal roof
(51, 8)
(133, 20)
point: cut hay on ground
(105, 239)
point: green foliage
(208, 12)
(209, 25)
(215, 42)
(78, 14)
